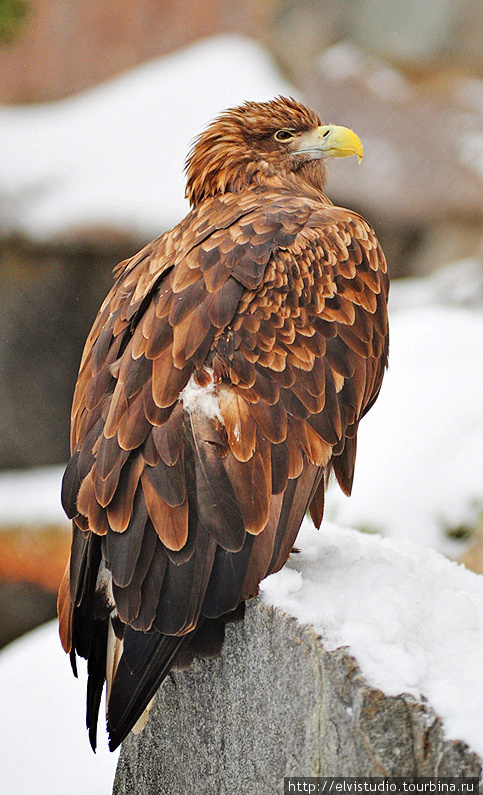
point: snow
(32, 497)
(114, 156)
(43, 738)
(412, 618)
(468, 93)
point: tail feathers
(134, 687)
(146, 660)
(206, 642)
(96, 678)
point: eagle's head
(258, 141)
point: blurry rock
(419, 37)
(276, 704)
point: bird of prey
(222, 382)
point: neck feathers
(218, 166)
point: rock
(276, 704)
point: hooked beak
(328, 140)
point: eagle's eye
(284, 135)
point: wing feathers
(226, 580)
(239, 423)
(123, 549)
(217, 507)
(252, 484)
(157, 560)
(170, 522)
(70, 486)
(168, 481)
(275, 303)
(120, 507)
(271, 420)
(167, 438)
(168, 381)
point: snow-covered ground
(45, 750)
(115, 155)
(32, 498)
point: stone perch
(276, 704)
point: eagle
(222, 383)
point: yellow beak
(329, 140)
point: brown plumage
(223, 380)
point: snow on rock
(412, 619)
(45, 748)
(114, 155)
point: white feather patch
(104, 584)
(201, 399)
(114, 652)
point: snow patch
(471, 151)
(420, 448)
(459, 283)
(45, 748)
(114, 156)
(32, 497)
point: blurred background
(98, 105)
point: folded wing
(223, 380)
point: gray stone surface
(276, 704)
